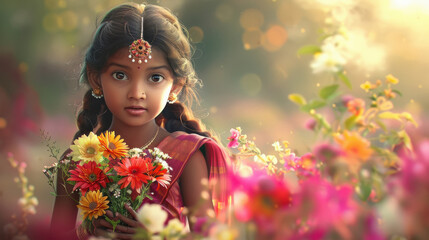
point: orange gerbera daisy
(93, 204)
(113, 145)
(354, 145)
(135, 171)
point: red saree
(180, 146)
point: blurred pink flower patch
(233, 139)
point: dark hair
(118, 29)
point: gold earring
(172, 98)
(97, 93)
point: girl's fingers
(101, 223)
(99, 232)
(125, 229)
(131, 211)
(130, 222)
(110, 214)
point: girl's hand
(104, 228)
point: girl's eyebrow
(117, 65)
(127, 67)
(160, 67)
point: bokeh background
(245, 54)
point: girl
(137, 65)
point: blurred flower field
(330, 97)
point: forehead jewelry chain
(140, 49)
(151, 141)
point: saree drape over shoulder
(180, 146)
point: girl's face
(136, 93)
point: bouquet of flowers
(108, 174)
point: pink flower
(310, 124)
(324, 206)
(262, 196)
(326, 152)
(345, 99)
(233, 139)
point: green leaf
(397, 92)
(344, 79)
(297, 98)
(350, 122)
(113, 222)
(405, 139)
(365, 190)
(313, 104)
(328, 91)
(382, 125)
(309, 49)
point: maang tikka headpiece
(140, 49)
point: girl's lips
(135, 110)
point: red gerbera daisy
(160, 175)
(88, 177)
(135, 171)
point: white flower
(174, 230)
(277, 146)
(135, 152)
(152, 216)
(117, 193)
(333, 55)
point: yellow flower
(113, 145)
(174, 230)
(366, 86)
(93, 204)
(86, 148)
(391, 79)
(354, 146)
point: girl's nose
(137, 90)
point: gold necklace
(151, 141)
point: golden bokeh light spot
(3, 123)
(51, 22)
(196, 34)
(317, 84)
(251, 19)
(303, 30)
(275, 38)
(420, 86)
(70, 20)
(251, 84)
(224, 12)
(23, 67)
(252, 39)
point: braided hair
(162, 30)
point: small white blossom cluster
(160, 157)
(135, 152)
(114, 188)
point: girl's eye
(119, 76)
(156, 78)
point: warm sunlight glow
(417, 4)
